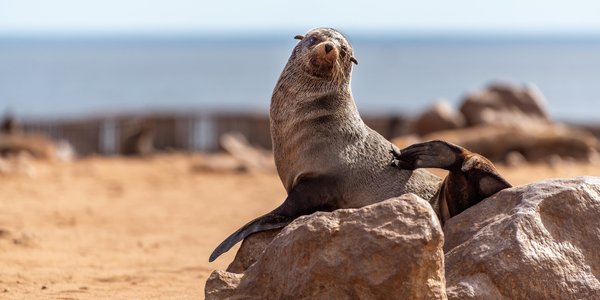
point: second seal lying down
(327, 158)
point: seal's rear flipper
(266, 222)
(309, 195)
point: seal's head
(324, 53)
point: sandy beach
(139, 228)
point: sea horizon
(70, 75)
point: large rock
(505, 104)
(538, 241)
(440, 116)
(388, 250)
(251, 249)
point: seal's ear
(352, 59)
(299, 37)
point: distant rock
(35, 145)
(388, 250)
(505, 123)
(440, 116)
(505, 104)
(538, 241)
(252, 158)
(514, 158)
(239, 156)
(535, 143)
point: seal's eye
(344, 51)
(311, 41)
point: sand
(126, 228)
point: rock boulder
(538, 241)
(388, 250)
(440, 116)
(505, 104)
(536, 143)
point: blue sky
(188, 16)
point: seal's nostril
(328, 48)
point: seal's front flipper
(432, 154)
(306, 197)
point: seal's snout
(325, 55)
(326, 60)
(327, 50)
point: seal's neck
(312, 123)
(298, 95)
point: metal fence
(178, 132)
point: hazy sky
(80, 16)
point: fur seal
(140, 140)
(471, 176)
(326, 157)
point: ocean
(67, 77)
